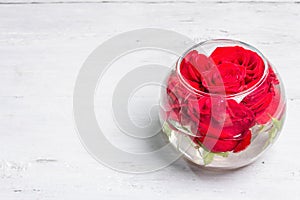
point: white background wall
(42, 47)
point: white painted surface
(42, 47)
(145, 1)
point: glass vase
(223, 104)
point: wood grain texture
(143, 1)
(42, 47)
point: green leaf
(166, 129)
(277, 123)
(266, 144)
(223, 154)
(208, 157)
(272, 133)
(261, 128)
(180, 127)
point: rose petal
(269, 112)
(215, 145)
(244, 143)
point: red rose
(236, 118)
(266, 96)
(192, 66)
(238, 56)
(173, 101)
(271, 109)
(226, 77)
(228, 70)
(219, 145)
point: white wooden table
(42, 47)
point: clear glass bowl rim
(222, 41)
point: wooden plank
(143, 1)
(41, 158)
(60, 33)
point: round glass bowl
(223, 104)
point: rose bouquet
(223, 104)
